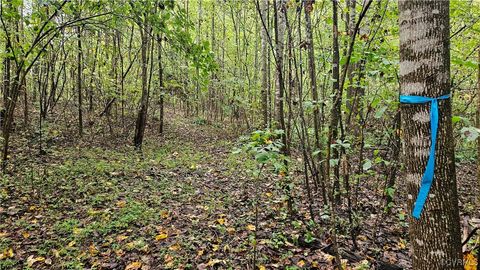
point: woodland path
(184, 202)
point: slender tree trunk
(478, 126)
(142, 111)
(265, 51)
(160, 82)
(280, 13)
(336, 106)
(425, 71)
(79, 81)
(333, 131)
(308, 6)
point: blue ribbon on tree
(427, 178)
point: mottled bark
(336, 106)
(478, 126)
(425, 71)
(160, 83)
(79, 81)
(143, 106)
(280, 83)
(265, 86)
(308, 5)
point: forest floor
(185, 202)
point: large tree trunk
(425, 71)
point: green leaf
(367, 165)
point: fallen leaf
(121, 238)
(31, 260)
(470, 261)
(7, 253)
(121, 204)
(175, 247)
(161, 236)
(164, 214)
(92, 249)
(213, 262)
(231, 230)
(48, 261)
(133, 266)
(25, 235)
(301, 263)
(221, 221)
(251, 227)
(261, 267)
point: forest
(230, 134)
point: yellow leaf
(251, 227)
(71, 244)
(93, 250)
(77, 231)
(175, 247)
(470, 261)
(121, 204)
(10, 253)
(161, 236)
(31, 260)
(213, 262)
(25, 235)
(121, 237)
(268, 194)
(200, 253)
(215, 247)
(133, 266)
(231, 230)
(164, 214)
(3, 234)
(7, 253)
(301, 263)
(402, 244)
(261, 267)
(221, 221)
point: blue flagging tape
(427, 178)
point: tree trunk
(478, 126)
(264, 88)
(425, 71)
(336, 106)
(308, 5)
(280, 83)
(160, 82)
(142, 111)
(79, 81)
